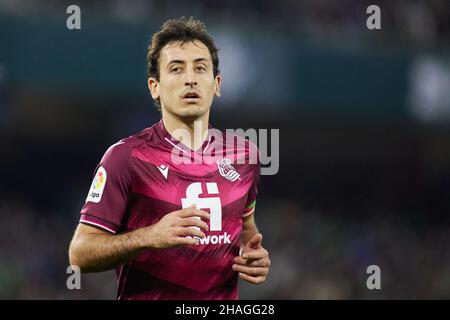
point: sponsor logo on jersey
(213, 204)
(216, 239)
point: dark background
(363, 116)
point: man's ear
(153, 86)
(217, 82)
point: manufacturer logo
(164, 170)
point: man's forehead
(187, 51)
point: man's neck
(192, 132)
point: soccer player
(175, 229)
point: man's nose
(191, 79)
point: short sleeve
(107, 199)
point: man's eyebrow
(175, 61)
(201, 60)
(182, 61)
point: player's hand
(253, 263)
(175, 228)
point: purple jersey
(147, 175)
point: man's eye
(200, 68)
(177, 69)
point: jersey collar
(170, 141)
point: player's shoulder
(122, 149)
(235, 138)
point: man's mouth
(191, 96)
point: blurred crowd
(423, 23)
(34, 256)
(322, 255)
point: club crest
(227, 170)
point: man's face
(186, 85)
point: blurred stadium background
(364, 135)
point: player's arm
(253, 263)
(249, 229)
(94, 250)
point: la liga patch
(97, 186)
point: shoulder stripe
(248, 213)
(252, 205)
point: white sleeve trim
(98, 225)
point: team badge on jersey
(97, 186)
(227, 170)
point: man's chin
(191, 111)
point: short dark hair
(182, 30)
